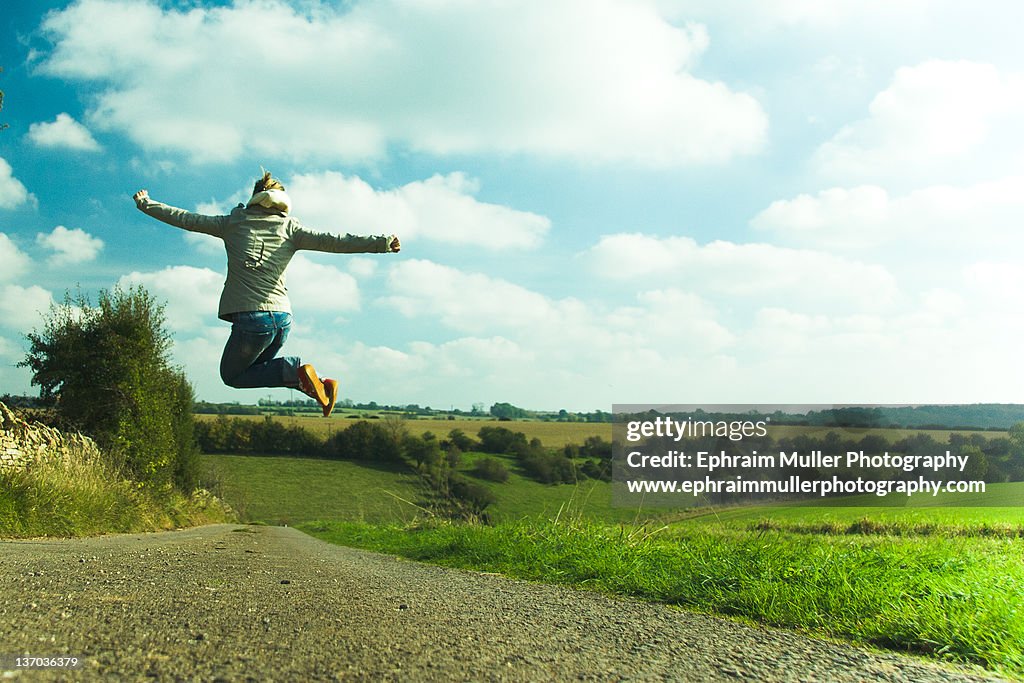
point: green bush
(107, 370)
(500, 440)
(490, 469)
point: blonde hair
(267, 182)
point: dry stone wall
(22, 444)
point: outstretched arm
(347, 244)
(194, 222)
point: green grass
(1003, 514)
(958, 599)
(284, 490)
(82, 496)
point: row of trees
(591, 460)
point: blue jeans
(249, 356)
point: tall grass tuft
(82, 494)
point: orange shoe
(311, 386)
(331, 389)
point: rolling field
(553, 434)
(282, 490)
(286, 490)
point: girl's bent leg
(249, 355)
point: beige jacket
(260, 242)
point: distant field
(558, 434)
(891, 435)
(554, 434)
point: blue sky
(600, 201)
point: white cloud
(10, 351)
(64, 131)
(511, 341)
(928, 120)
(603, 81)
(954, 219)
(313, 286)
(753, 272)
(12, 192)
(21, 308)
(362, 267)
(13, 261)
(927, 353)
(481, 305)
(191, 294)
(441, 208)
(468, 302)
(69, 245)
(995, 282)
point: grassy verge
(956, 598)
(80, 496)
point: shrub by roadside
(82, 496)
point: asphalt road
(238, 603)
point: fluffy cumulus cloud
(531, 344)
(63, 132)
(671, 344)
(69, 245)
(441, 208)
(13, 261)
(12, 192)
(22, 308)
(589, 80)
(751, 272)
(929, 119)
(191, 294)
(323, 287)
(958, 220)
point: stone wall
(22, 444)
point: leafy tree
(461, 440)
(107, 370)
(507, 411)
(977, 464)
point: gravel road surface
(239, 603)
